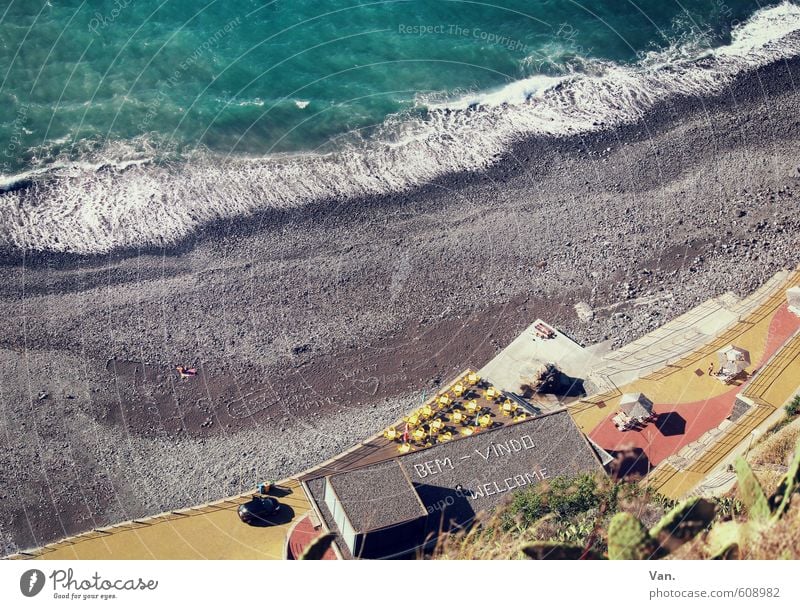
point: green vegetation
(570, 509)
(564, 497)
(629, 539)
(793, 407)
(792, 410)
(566, 512)
(587, 517)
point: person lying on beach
(186, 372)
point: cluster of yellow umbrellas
(491, 393)
(511, 409)
(436, 430)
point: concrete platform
(528, 352)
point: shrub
(793, 407)
(563, 496)
(776, 449)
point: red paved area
(677, 426)
(783, 325)
(682, 424)
(302, 535)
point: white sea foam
(514, 93)
(79, 209)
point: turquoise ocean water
(144, 86)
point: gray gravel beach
(313, 329)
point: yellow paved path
(775, 385)
(213, 532)
(678, 382)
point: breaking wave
(98, 206)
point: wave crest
(81, 209)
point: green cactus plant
(751, 493)
(727, 538)
(779, 501)
(629, 539)
(759, 507)
(683, 523)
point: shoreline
(316, 327)
(749, 87)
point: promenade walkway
(681, 336)
(771, 389)
(211, 531)
(696, 425)
(701, 422)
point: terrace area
(466, 406)
(540, 347)
(212, 531)
(695, 409)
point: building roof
(492, 465)
(377, 496)
(732, 352)
(487, 467)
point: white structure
(636, 406)
(793, 296)
(732, 360)
(520, 362)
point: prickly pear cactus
(751, 493)
(683, 523)
(725, 539)
(782, 497)
(628, 539)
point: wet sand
(313, 329)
